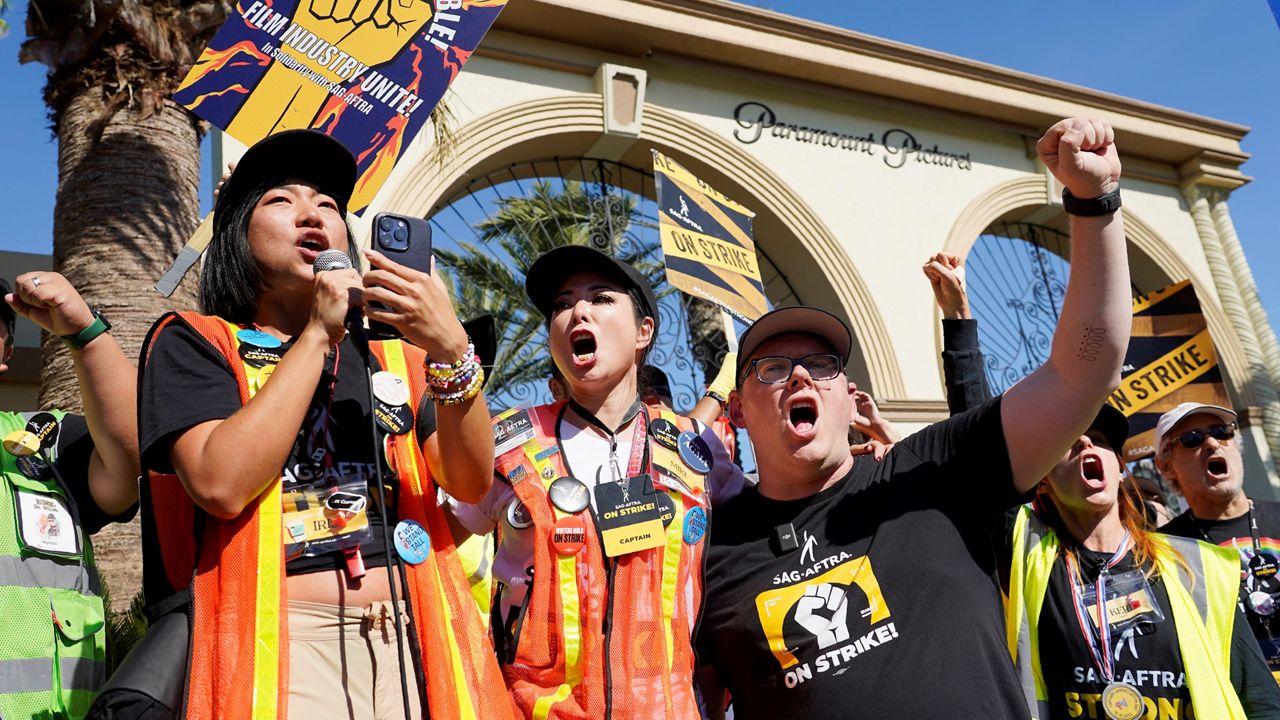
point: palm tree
(128, 177)
(488, 275)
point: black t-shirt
(1145, 648)
(1235, 533)
(188, 382)
(887, 607)
(75, 447)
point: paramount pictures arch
(861, 157)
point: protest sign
(367, 72)
(706, 238)
(1171, 360)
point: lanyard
(638, 445)
(1253, 531)
(1099, 648)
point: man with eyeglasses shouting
(1198, 453)
(842, 587)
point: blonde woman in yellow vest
(263, 512)
(1108, 619)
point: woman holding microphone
(271, 495)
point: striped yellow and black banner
(1171, 360)
(706, 238)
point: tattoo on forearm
(1091, 343)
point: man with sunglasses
(1198, 453)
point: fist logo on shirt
(822, 611)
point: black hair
(230, 283)
(651, 379)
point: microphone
(338, 260)
(331, 260)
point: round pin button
(44, 426)
(569, 535)
(257, 356)
(393, 419)
(390, 388)
(21, 443)
(695, 525)
(1261, 603)
(412, 542)
(1263, 566)
(665, 433)
(695, 453)
(33, 467)
(569, 494)
(258, 338)
(518, 516)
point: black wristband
(1093, 207)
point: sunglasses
(1192, 439)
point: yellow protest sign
(706, 238)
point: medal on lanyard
(1120, 700)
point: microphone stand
(360, 338)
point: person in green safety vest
(65, 476)
(1108, 619)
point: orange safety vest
(239, 630)
(603, 638)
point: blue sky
(1213, 57)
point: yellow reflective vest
(1203, 605)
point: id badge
(325, 518)
(629, 516)
(45, 524)
(1130, 601)
(677, 476)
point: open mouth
(1217, 466)
(583, 344)
(1091, 469)
(803, 415)
(312, 244)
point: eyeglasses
(774, 369)
(1193, 439)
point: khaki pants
(342, 664)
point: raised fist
(822, 611)
(1082, 155)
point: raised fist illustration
(822, 612)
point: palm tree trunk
(127, 202)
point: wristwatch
(1092, 207)
(99, 325)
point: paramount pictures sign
(895, 147)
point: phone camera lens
(401, 233)
(384, 223)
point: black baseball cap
(1113, 425)
(547, 273)
(307, 154)
(795, 319)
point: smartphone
(407, 241)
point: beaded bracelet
(457, 376)
(447, 369)
(471, 390)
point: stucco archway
(798, 242)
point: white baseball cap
(1176, 415)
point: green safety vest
(48, 669)
(1203, 605)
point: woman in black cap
(264, 508)
(601, 508)
(1108, 619)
